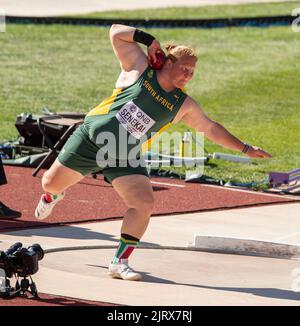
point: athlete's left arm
(192, 115)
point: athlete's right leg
(54, 182)
(59, 177)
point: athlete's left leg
(137, 193)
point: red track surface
(51, 300)
(94, 200)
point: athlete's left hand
(257, 152)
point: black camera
(20, 262)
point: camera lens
(13, 248)
(37, 249)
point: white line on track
(253, 192)
(168, 184)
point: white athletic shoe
(123, 271)
(44, 208)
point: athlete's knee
(145, 204)
(150, 206)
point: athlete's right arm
(130, 55)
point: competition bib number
(134, 120)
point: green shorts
(79, 153)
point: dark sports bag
(43, 131)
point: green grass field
(219, 11)
(247, 79)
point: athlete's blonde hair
(177, 51)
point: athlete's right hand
(152, 50)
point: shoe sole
(41, 217)
(117, 275)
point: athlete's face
(182, 71)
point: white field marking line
(167, 184)
(254, 192)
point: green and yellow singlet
(142, 109)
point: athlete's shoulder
(190, 104)
(184, 90)
(129, 78)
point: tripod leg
(33, 290)
(52, 153)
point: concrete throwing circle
(173, 277)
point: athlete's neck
(164, 81)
